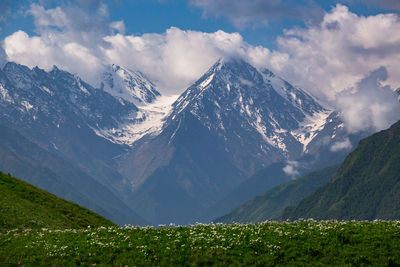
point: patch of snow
(207, 81)
(278, 142)
(148, 120)
(47, 90)
(248, 110)
(83, 89)
(27, 105)
(54, 146)
(173, 134)
(274, 140)
(5, 95)
(293, 95)
(310, 127)
(183, 105)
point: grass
(350, 243)
(25, 206)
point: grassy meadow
(304, 242)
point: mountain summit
(129, 85)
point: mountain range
(129, 152)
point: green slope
(25, 206)
(270, 205)
(366, 186)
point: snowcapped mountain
(129, 85)
(229, 124)
(282, 115)
(56, 98)
(55, 116)
(61, 113)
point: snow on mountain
(35, 99)
(310, 127)
(281, 113)
(129, 85)
(148, 121)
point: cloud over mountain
(326, 58)
(369, 105)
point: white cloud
(291, 169)
(50, 17)
(369, 105)
(119, 26)
(341, 145)
(344, 48)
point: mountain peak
(13, 66)
(129, 85)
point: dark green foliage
(303, 243)
(24, 206)
(366, 186)
(270, 205)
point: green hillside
(25, 206)
(270, 205)
(366, 186)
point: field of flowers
(270, 243)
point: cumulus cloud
(344, 48)
(243, 13)
(341, 145)
(291, 169)
(66, 37)
(369, 105)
